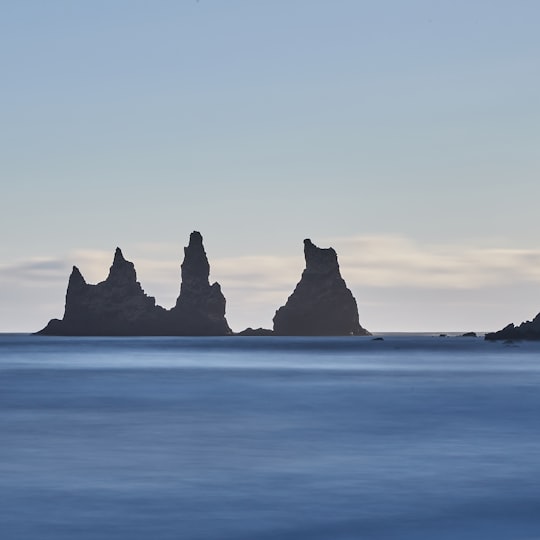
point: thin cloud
(34, 270)
(396, 261)
(366, 261)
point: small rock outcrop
(529, 330)
(251, 332)
(118, 306)
(321, 304)
(200, 308)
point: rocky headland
(321, 304)
(528, 330)
(118, 306)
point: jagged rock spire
(200, 307)
(76, 278)
(121, 270)
(195, 268)
(119, 258)
(321, 303)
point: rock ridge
(118, 306)
(528, 330)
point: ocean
(413, 437)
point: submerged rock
(321, 304)
(529, 330)
(118, 306)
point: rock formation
(200, 308)
(118, 306)
(529, 330)
(321, 304)
(255, 332)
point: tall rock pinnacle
(195, 268)
(200, 308)
(321, 304)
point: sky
(406, 135)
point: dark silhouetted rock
(469, 334)
(118, 306)
(377, 339)
(256, 332)
(529, 330)
(200, 308)
(321, 304)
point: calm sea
(413, 437)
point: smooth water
(269, 438)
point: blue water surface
(238, 438)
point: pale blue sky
(261, 123)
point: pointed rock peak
(195, 267)
(121, 269)
(319, 259)
(200, 307)
(321, 304)
(76, 278)
(118, 257)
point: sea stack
(116, 306)
(321, 304)
(529, 330)
(200, 308)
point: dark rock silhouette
(469, 334)
(118, 306)
(200, 308)
(321, 304)
(529, 330)
(255, 332)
